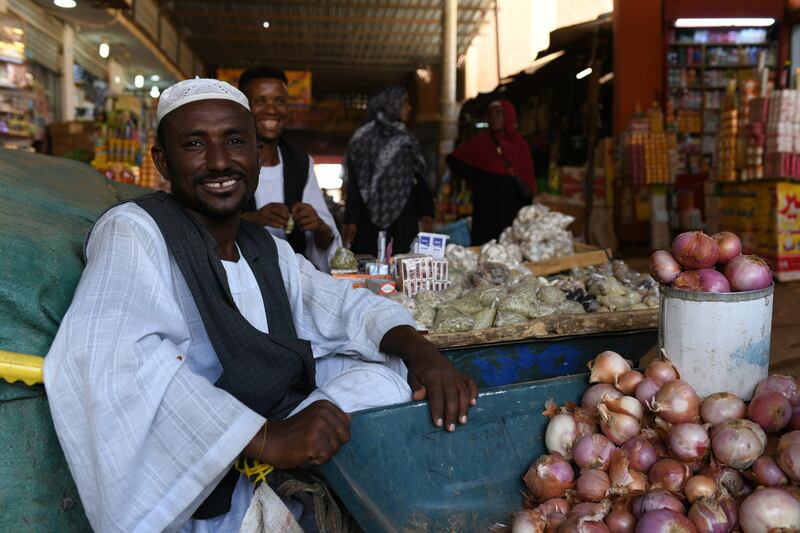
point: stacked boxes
(726, 146)
(648, 157)
(755, 137)
(766, 216)
(783, 135)
(418, 273)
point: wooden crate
(550, 327)
(585, 255)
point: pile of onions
(690, 266)
(665, 460)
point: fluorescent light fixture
(482, 125)
(66, 4)
(725, 23)
(582, 74)
(154, 92)
(105, 50)
(265, 24)
(138, 81)
(607, 77)
(155, 77)
(329, 175)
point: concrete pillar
(448, 130)
(67, 77)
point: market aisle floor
(785, 344)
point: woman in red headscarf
(498, 165)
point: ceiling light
(154, 92)
(138, 81)
(265, 24)
(117, 80)
(605, 78)
(724, 23)
(155, 77)
(66, 4)
(105, 50)
(582, 74)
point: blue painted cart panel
(534, 359)
(402, 474)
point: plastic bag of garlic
(538, 233)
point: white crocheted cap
(188, 91)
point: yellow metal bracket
(21, 367)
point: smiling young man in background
(287, 186)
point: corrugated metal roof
(349, 45)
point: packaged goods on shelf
(765, 215)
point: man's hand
(426, 223)
(450, 393)
(275, 215)
(313, 435)
(308, 220)
(349, 234)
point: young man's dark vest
(295, 177)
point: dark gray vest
(271, 372)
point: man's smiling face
(269, 102)
(210, 156)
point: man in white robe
(131, 373)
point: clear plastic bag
(507, 318)
(550, 295)
(450, 320)
(484, 318)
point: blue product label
(424, 240)
(438, 242)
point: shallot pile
(690, 265)
(644, 453)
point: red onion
(695, 249)
(731, 511)
(664, 521)
(663, 267)
(738, 443)
(669, 474)
(577, 524)
(527, 521)
(593, 451)
(549, 477)
(593, 394)
(554, 505)
(789, 461)
(626, 405)
(561, 433)
(627, 382)
(592, 485)
(768, 509)
(641, 453)
(770, 410)
(623, 479)
(766, 472)
(709, 516)
(689, 442)
(620, 521)
(676, 402)
(699, 487)
(662, 370)
(655, 499)
(646, 390)
(729, 245)
(721, 407)
(702, 280)
(617, 427)
(607, 366)
(794, 422)
(748, 273)
(554, 521)
(793, 437)
(782, 383)
(727, 478)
